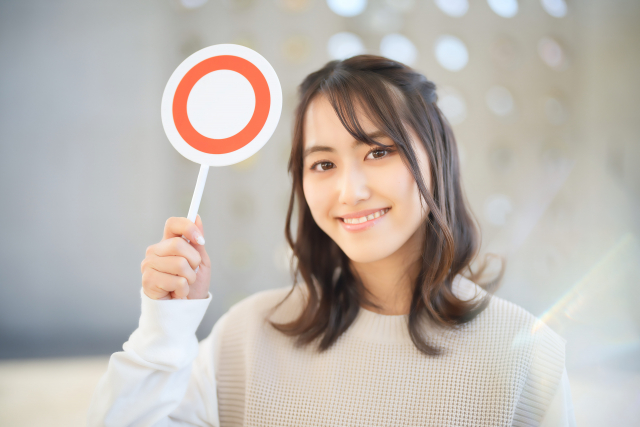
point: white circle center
(221, 104)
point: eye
(322, 166)
(378, 153)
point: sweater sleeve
(164, 377)
(544, 383)
(560, 411)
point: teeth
(366, 218)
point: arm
(155, 380)
(560, 411)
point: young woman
(380, 328)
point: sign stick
(197, 193)
(197, 197)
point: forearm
(147, 382)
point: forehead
(323, 126)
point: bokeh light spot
(506, 53)
(555, 111)
(296, 48)
(500, 101)
(399, 48)
(347, 7)
(385, 20)
(555, 8)
(504, 8)
(551, 53)
(453, 105)
(193, 4)
(344, 45)
(455, 8)
(451, 53)
(497, 208)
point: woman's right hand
(168, 269)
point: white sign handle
(197, 197)
(197, 193)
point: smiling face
(363, 197)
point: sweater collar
(393, 329)
(381, 328)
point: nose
(353, 186)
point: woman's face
(364, 197)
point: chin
(364, 253)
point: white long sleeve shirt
(503, 368)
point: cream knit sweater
(503, 368)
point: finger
(174, 265)
(176, 246)
(158, 285)
(204, 256)
(176, 227)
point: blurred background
(543, 96)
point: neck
(389, 281)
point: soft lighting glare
(455, 8)
(385, 20)
(344, 45)
(193, 4)
(347, 7)
(504, 8)
(555, 8)
(399, 48)
(500, 101)
(453, 105)
(550, 52)
(451, 53)
(496, 209)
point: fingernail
(198, 238)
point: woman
(380, 328)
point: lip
(362, 226)
(362, 213)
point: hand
(168, 269)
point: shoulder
(265, 301)
(506, 318)
(278, 304)
(513, 336)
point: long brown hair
(393, 96)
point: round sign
(221, 105)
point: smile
(363, 219)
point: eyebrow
(356, 142)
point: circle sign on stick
(220, 106)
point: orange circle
(249, 132)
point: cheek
(398, 185)
(316, 197)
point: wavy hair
(393, 96)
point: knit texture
(500, 369)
